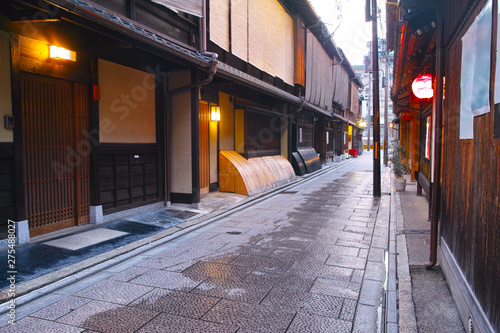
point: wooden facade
(468, 183)
(126, 121)
(470, 218)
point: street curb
(407, 319)
(38, 287)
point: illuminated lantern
(422, 86)
(215, 113)
(406, 115)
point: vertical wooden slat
(55, 113)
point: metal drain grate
(234, 232)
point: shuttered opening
(56, 152)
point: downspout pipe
(436, 185)
(211, 72)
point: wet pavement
(309, 259)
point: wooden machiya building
(453, 139)
(116, 107)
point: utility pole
(376, 104)
(386, 108)
(369, 121)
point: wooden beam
(15, 58)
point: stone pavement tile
(357, 275)
(309, 323)
(348, 309)
(114, 291)
(61, 308)
(281, 280)
(365, 320)
(315, 269)
(379, 241)
(167, 323)
(362, 218)
(267, 263)
(359, 230)
(176, 302)
(129, 274)
(232, 239)
(107, 317)
(168, 280)
(344, 261)
(376, 254)
(371, 291)
(300, 255)
(202, 270)
(334, 249)
(294, 300)
(285, 243)
(259, 318)
(351, 236)
(336, 288)
(233, 290)
(362, 244)
(256, 250)
(31, 325)
(375, 271)
(363, 253)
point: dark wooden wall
(129, 176)
(470, 190)
(262, 134)
(7, 193)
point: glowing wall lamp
(422, 86)
(215, 113)
(60, 53)
(362, 123)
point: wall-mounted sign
(422, 86)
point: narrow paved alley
(307, 259)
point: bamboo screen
(261, 33)
(319, 80)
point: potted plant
(399, 165)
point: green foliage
(398, 157)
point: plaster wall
(226, 126)
(180, 135)
(127, 104)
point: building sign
(475, 74)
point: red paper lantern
(422, 86)
(406, 115)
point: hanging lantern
(422, 86)
(406, 115)
(214, 113)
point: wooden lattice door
(56, 152)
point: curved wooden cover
(252, 176)
(311, 159)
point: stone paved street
(308, 259)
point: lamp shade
(422, 86)
(406, 115)
(60, 53)
(215, 113)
